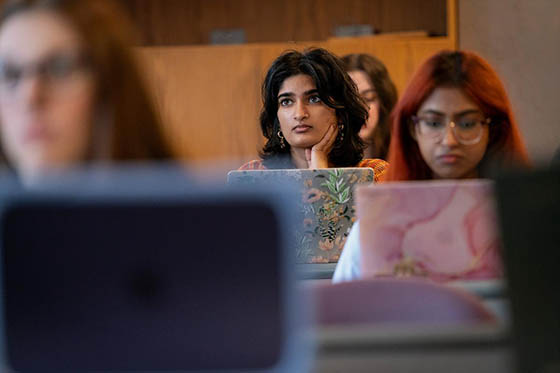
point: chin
(450, 175)
(303, 144)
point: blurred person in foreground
(71, 92)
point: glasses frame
(79, 64)
(451, 123)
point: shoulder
(379, 167)
(256, 164)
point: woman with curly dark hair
(312, 115)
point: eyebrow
(459, 114)
(306, 93)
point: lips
(448, 158)
(301, 128)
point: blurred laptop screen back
(142, 285)
(529, 207)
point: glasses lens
(431, 126)
(9, 75)
(57, 70)
(60, 67)
(468, 129)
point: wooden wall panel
(182, 22)
(207, 98)
(210, 96)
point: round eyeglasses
(56, 71)
(467, 130)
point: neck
(472, 174)
(368, 152)
(298, 158)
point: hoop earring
(282, 140)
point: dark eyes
(314, 99)
(285, 101)
(371, 98)
(9, 74)
(432, 123)
(53, 69)
(60, 67)
(463, 123)
(468, 123)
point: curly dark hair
(387, 93)
(336, 90)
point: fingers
(319, 153)
(318, 159)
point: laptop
(444, 230)
(326, 204)
(529, 210)
(125, 279)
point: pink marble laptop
(445, 230)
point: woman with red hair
(452, 121)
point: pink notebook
(445, 230)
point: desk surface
(486, 289)
(421, 348)
(483, 288)
(493, 293)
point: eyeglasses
(467, 129)
(55, 71)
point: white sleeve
(348, 266)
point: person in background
(70, 90)
(453, 120)
(312, 115)
(377, 89)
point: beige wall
(521, 39)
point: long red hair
(479, 81)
